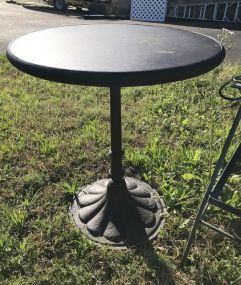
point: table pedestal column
(119, 211)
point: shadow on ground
(163, 272)
(73, 13)
(51, 10)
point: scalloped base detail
(122, 214)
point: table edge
(106, 79)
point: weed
(71, 188)
(17, 218)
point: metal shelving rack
(222, 11)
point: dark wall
(124, 7)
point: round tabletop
(115, 54)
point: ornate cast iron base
(119, 214)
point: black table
(120, 210)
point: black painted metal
(120, 211)
(236, 83)
(225, 207)
(227, 172)
(119, 214)
(115, 54)
(217, 230)
(117, 171)
(216, 185)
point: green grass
(55, 137)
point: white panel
(149, 10)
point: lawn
(55, 138)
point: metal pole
(226, 173)
(116, 172)
(215, 12)
(236, 13)
(225, 11)
(211, 187)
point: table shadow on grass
(163, 272)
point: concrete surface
(17, 20)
